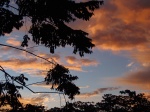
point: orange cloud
(12, 41)
(30, 66)
(118, 25)
(77, 64)
(25, 63)
(84, 62)
(74, 67)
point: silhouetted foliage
(59, 76)
(9, 91)
(129, 102)
(48, 20)
(76, 107)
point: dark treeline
(127, 101)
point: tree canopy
(48, 20)
(128, 101)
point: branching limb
(2, 69)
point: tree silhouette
(48, 26)
(48, 20)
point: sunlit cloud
(121, 30)
(23, 62)
(97, 92)
(77, 64)
(13, 41)
(40, 99)
(85, 62)
(30, 66)
(118, 26)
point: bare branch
(52, 62)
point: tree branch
(22, 84)
(52, 62)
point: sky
(120, 58)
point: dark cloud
(98, 91)
(139, 79)
(137, 4)
(120, 36)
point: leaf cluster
(59, 76)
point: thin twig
(52, 62)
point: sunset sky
(120, 30)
